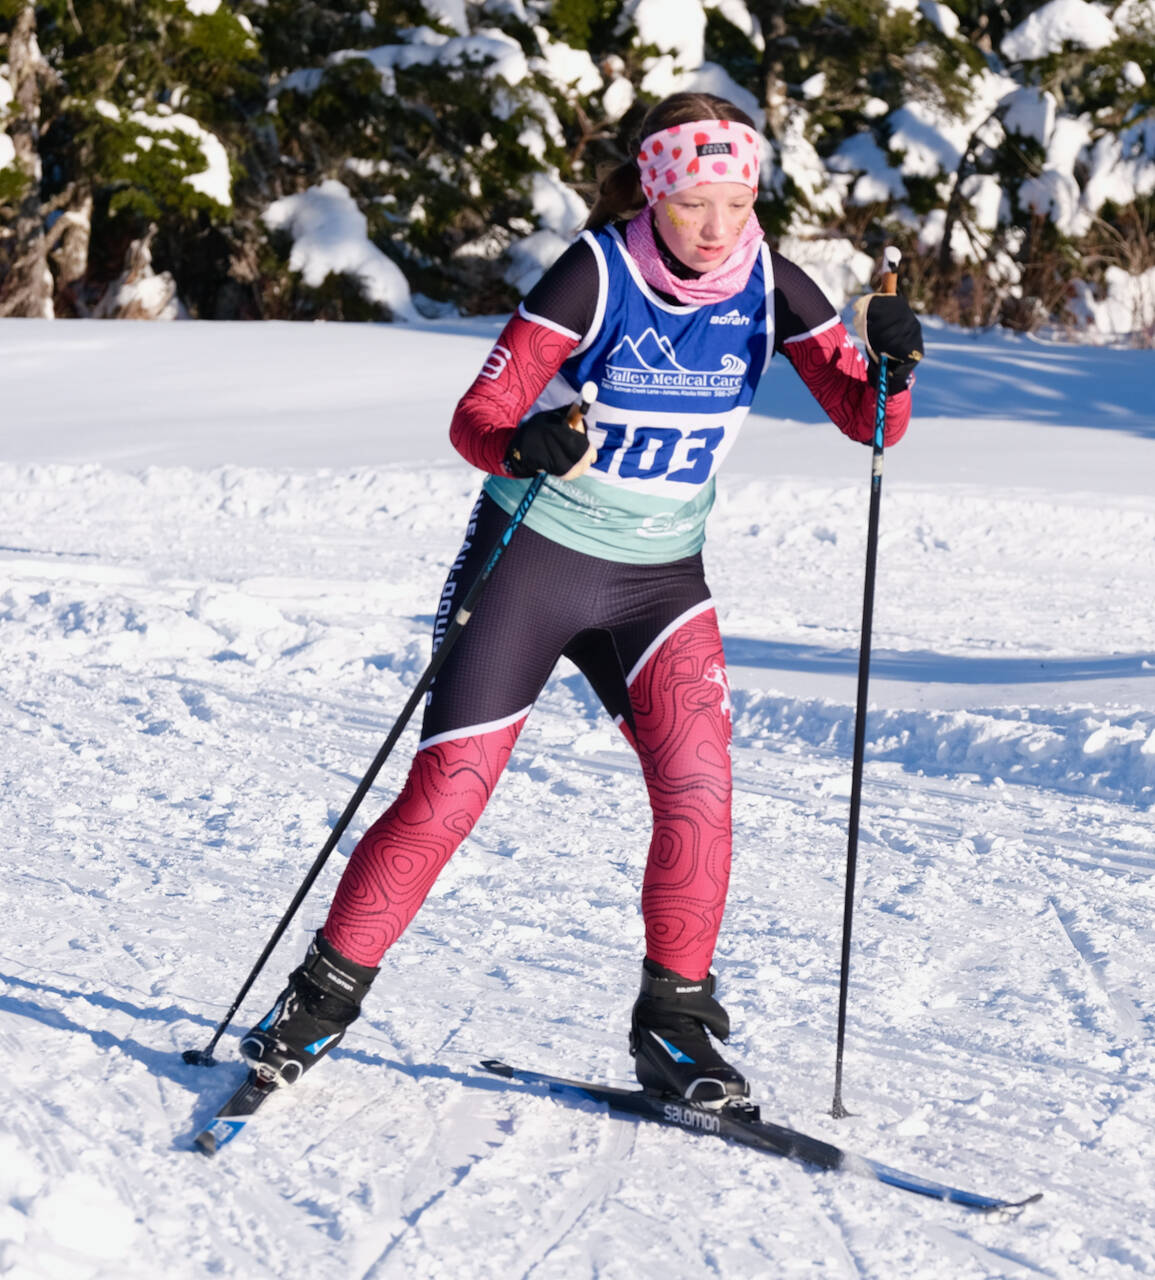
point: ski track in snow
(200, 664)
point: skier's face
(701, 225)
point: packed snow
(222, 547)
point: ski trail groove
(1125, 1014)
(601, 1178)
(957, 1245)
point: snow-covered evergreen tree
(137, 107)
(357, 159)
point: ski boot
(323, 997)
(673, 1054)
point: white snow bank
(1078, 751)
(214, 180)
(1047, 30)
(568, 68)
(1127, 307)
(503, 57)
(931, 141)
(840, 269)
(875, 179)
(330, 237)
(677, 27)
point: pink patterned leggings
(646, 636)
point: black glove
(889, 328)
(545, 441)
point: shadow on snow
(924, 666)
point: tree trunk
(26, 283)
(139, 293)
(73, 234)
(775, 29)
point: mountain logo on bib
(649, 363)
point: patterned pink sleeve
(516, 371)
(834, 370)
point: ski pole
(204, 1057)
(889, 285)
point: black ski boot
(672, 1051)
(309, 1019)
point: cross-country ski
(234, 1114)
(742, 1123)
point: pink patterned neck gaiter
(726, 279)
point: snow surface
(222, 546)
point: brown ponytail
(620, 190)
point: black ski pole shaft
(204, 1057)
(889, 285)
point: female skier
(672, 305)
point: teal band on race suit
(675, 384)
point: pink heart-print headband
(688, 155)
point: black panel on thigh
(595, 655)
(648, 598)
(539, 595)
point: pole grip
(891, 257)
(589, 393)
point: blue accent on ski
(223, 1130)
(317, 1045)
(939, 1191)
(742, 1123)
(237, 1111)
